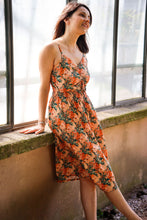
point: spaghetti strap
(60, 49)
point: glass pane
(129, 82)
(130, 49)
(33, 26)
(100, 56)
(3, 89)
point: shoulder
(49, 50)
(48, 55)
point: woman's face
(79, 22)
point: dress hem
(78, 178)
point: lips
(86, 25)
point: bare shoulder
(48, 55)
(50, 50)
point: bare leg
(89, 199)
(121, 204)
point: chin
(83, 32)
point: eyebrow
(84, 13)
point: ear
(66, 20)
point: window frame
(127, 102)
(145, 58)
(10, 68)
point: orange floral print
(80, 148)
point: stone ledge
(121, 115)
(13, 143)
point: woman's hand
(36, 129)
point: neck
(70, 40)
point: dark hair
(69, 9)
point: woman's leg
(88, 198)
(121, 204)
(89, 201)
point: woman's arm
(46, 61)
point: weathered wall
(28, 190)
(127, 147)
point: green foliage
(99, 213)
(123, 218)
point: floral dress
(80, 149)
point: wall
(28, 190)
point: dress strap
(60, 49)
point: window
(117, 36)
(6, 67)
(117, 57)
(101, 51)
(33, 25)
(131, 27)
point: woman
(79, 143)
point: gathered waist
(70, 91)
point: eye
(83, 15)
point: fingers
(24, 131)
(36, 130)
(28, 130)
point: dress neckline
(75, 64)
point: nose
(87, 20)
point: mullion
(9, 62)
(114, 60)
(144, 57)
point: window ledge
(121, 115)
(13, 143)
